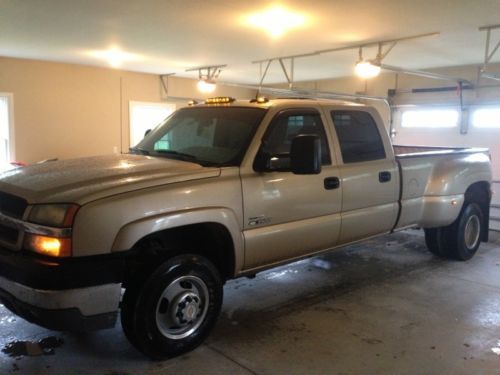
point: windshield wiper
(176, 153)
(138, 150)
(186, 157)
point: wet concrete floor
(385, 306)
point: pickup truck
(220, 190)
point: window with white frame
(430, 118)
(6, 150)
(488, 118)
(145, 116)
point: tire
(174, 310)
(431, 240)
(462, 238)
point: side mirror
(305, 155)
(261, 162)
(147, 132)
(264, 162)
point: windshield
(208, 136)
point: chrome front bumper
(80, 309)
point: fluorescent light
(114, 56)
(366, 69)
(276, 21)
(205, 86)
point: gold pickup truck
(220, 190)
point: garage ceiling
(171, 36)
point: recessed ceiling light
(276, 21)
(114, 56)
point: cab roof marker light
(220, 100)
(260, 100)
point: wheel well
(480, 193)
(211, 240)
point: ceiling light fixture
(490, 52)
(276, 21)
(206, 86)
(368, 68)
(207, 76)
(114, 56)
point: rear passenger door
(369, 174)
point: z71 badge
(259, 220)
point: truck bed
(426, 198)
(413, 151)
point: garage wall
(434, 137)
(67, 110)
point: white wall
(67, 110)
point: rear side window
(358, 136)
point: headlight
(53, 215)
(56, 242)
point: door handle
(332, 183)
(384, 176)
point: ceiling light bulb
(366, 69)
(114, 56)
(276, 21)
(205, 86)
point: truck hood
(87, 179)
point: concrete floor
(384, 306)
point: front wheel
(175, 309)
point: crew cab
(221, 190)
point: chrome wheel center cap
(188, 308)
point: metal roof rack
(305, 93)
(299, 93)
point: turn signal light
(50, 246)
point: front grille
(12, 206)
(8, 234)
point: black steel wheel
(175, 308)
(431, 240)
(462, 238)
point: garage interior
(89, 78)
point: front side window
(284, 128)
(358, 136)
(215, 136)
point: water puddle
(7, 319)
(45, 346)
(280, 274)
(497, 349)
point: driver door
(288, 215)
